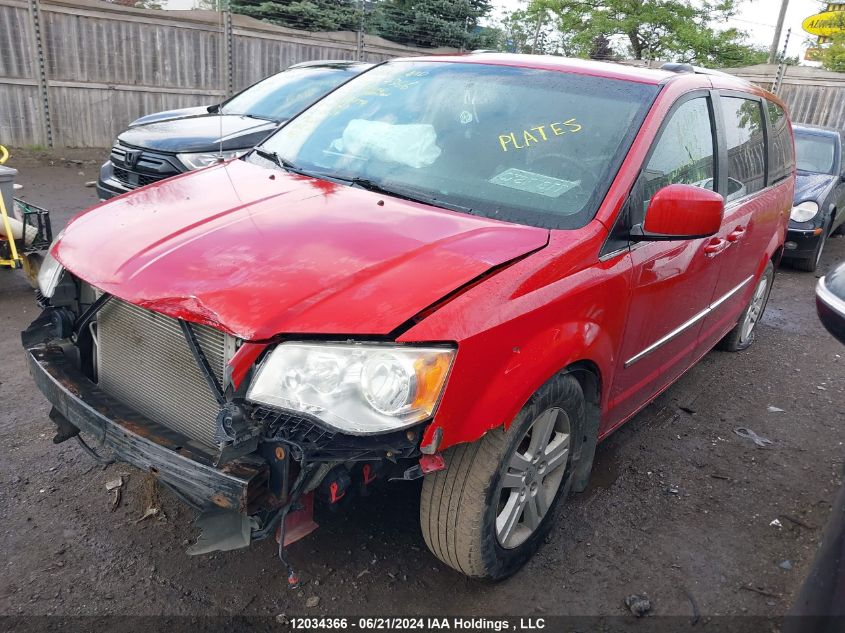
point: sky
(756, 17)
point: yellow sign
(825, 24)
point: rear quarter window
(781, 153)
(745, 144)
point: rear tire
(742, 336)
(491, 508)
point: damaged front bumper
(239, 485)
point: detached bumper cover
(238, 485)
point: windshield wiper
(280, 161)
(371, 185)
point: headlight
(804, 212)
(355, 388)
(49, 274)
(204, 159)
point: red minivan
(469, 269)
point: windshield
(281, 96)
(815, 153)
(530, 146)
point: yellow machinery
(13, 260)
(32, 225)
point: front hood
(168, 115)
(811, 186)
(257, 252)
(200, 133)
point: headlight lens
(49, 274)
(204, 159)
(804, 212)
(355, 388)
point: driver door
(672, 281)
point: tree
(532, 30)
(832, 56)
(678, 30)
(309, 15)
(454, 23)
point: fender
(498, 395)
(512, 340)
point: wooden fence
(813, 95)
(73, 73)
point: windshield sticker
(537, 134)
(533, 183)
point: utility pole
(773, 50)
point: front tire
(810, 264)
(488, 512)
(742, 336)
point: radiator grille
(144, 361)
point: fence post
(359, 41)
(40, 68)
(229, 36)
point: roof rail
(325, 62)
(676, 67)
(478, 51)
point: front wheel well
(588, 376)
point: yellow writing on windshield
(537, 134)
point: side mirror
(842, 177)
(213, 109)
(681, 212)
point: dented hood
(259, 252)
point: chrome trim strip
(687, 324)
(730, 293)
(828, 298)
(612, 254)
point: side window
(746, 146)
(781, 154)
(683, 153)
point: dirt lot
(679, 508)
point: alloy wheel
(758, 302)
(532, 478)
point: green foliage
(309, 15)
(832, 56)
(433, 23)
(532, 30)
(676, 30)
(454, 23)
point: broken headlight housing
(50, 273)
(361, 389)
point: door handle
(737, 233)
(715, 246)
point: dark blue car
(818, 209)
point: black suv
(164, 144)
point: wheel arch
(588, 375)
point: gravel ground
(679, 508)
